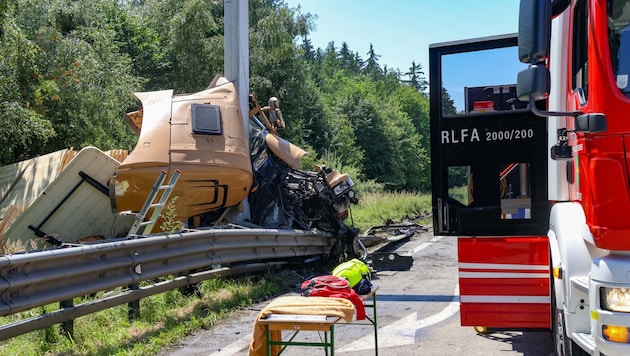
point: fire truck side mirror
(533, 83)
(591, 123)
(534, 31)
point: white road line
(403, 331)
(424, 245)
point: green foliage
(365, 187)
(170, 221)
(276, 70)
(457, 176)
(383, 139)
(448, 105)
(185, 43)
(372, 67)
(460, 194)
(416, 77)
(68, 82)
(23, 127)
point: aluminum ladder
(140, 226)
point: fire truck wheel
(481, 329)
(560, 339)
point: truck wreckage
(220, 164)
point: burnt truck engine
(284, 196)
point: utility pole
(236, 60)
(236, 50)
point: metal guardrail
(33, 279)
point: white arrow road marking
(403, 331)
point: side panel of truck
(504, 281)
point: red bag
(335, 287)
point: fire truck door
(489, 182)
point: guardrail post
(133, 308)
(189, 289)
(67, 327)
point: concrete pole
(236, 61)
(236, 50)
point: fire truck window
(460, 184)
(619, 37)
(514, 179)
(580, 46)
(480, 81)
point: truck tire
(561, 342)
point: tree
(416, 106)
(190, 35)
(276, 68)
(416, 77)
(329, 61)
(349, 61)
(88, 77)
(304, 23)
(385, 137)
(371, 64)
(4, 12)
(23, 128)
(448, 105)
(73, 81)
(308, 49)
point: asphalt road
(417, 314)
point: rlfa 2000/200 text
(467, 135)
(513, 134)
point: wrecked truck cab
(222, 163)
(201, 134)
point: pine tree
(416, 77)
(371, 65)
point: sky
(402, 30)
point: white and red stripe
(504, 282)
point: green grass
(375, 209)
(169, 317)
(164, 319)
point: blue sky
(402, 30)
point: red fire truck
(533, 178)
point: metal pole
(67, 327)
(133, 307)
